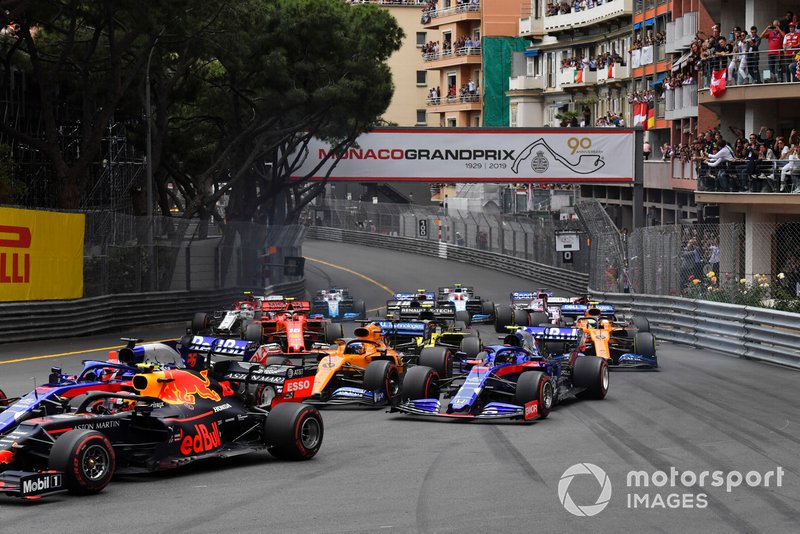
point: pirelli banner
(41, 255)
(481, 155)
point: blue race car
(337, 304)
(521, 379)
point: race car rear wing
(240, 348)
(428, 296)
(554, 333)
(577, 310)
(460, 289)
(440, 311)
(282, 305)
(403, 328)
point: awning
(531, 52)
(637, 25)
(660, 79)
(650, 22)
(681, 60)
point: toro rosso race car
(510, 381)
(175, 416)
(230, 322)
(337, 304)
(469, 307)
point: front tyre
(535, 386)
(293, 431)
(333, 331)
(439, 359)
(420, 382)
(87, 460)
(382, 375)
(503, 317)
(591, 373)
(253, 332)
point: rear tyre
(591, 372)
(333, 331)
(86, 458)
(471, 346)
(503, 317)
(535, 386)
(382, 375)
(420, 382)
(539, 318)
(253, 332)
(199, 322)
(641, 323)
(487, 307)
(521, 318)
(462, 316)
(293, 431)
(439, 359)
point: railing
(741, 331)
(762, 176)
(618, 73)
(756, 68)
(27, 321)
(471, 6)
(681, 32)
(577, 77)
(459, 99)
(599, 13)
(450, 54)
(681, 102)
(520, 83)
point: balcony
(451, 13)
(617, 73)
(449, 58)
(588, 17)
(571, 77)
(527, 83)
(531, 27)
(454, 103)
(681, 32)
(760, 85)
(681, 102)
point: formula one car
(337, 304)
(621, 345)
(431, 336)
(230, 322)
(177, 416)
(96, 376)
(286, 322)
(540, 306)
(510, 381)
(405, 306)
(469, 307)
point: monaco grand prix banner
(41, 255)
(481, 155)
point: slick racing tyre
(293, 431)
(361, 309)
(333, 331)
(86, 458)
(3, 399)
(535, 386)
(462, 316)
(471, 346)
(503, 317)
(199, 322)
(487, 307)
(253, 332)
(641, 323)
(644, 344)
(591, 372)
(439, 359)
(420, 382)
(382, 375)
(539, 319)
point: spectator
(752, 42)
(774, 36)
(722, 158)
(792, 166)
(646, 149)
(459, 240)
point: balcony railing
(681, 102)
(450, 54)
(450, 100)
(681, 32)
(572, 77)
(610, 10)
(522, 83)
(613, 73)
(457, 8)
(756, 68)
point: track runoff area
(706, 443)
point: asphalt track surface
(379, 472)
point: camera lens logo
(602, 499)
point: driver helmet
(355, 348)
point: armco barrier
(742, 331)
(569, 281)
(26, 321)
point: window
(421, 39)
(422, 117)
(514, 110)
(451, 122)
(531, 66)
(422, 77)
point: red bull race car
(173, 417)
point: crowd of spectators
(462, 46)
(610, 120)
(592, 63)
(575, 6)
(657, 38)
(468, 92)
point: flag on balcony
(640, 113)
(651, 116)
(611, 71)
(719, 82)
(578, 75)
